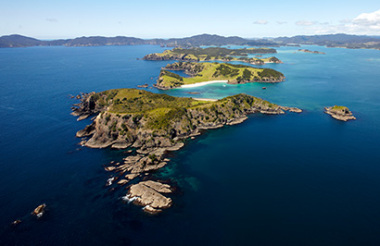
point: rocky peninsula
(203, 72)
(214, 54)
(340, 113)
(154, 124)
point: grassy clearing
(341, 108)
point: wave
(128, 198)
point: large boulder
(150, 195)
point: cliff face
(154, 124)
(160, 127)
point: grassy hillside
(215, 71)
(147, 110)
(212, 54)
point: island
(312, 52)
(214, 54)
(152, 125)
(330, 40)
(206, 72)
(340, 113)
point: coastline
(206, 99)
(153, 140)
(204, 83)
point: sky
(50, 19)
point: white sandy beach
(204, 83)
(206, 99)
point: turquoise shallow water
(295, 179)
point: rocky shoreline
(152, 143)
(340, 113)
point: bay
(294, 179)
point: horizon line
(62, 38)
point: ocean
(294, 179)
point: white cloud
(306, 23)
(260, 22)
(368, 19)
(363, 24)
(281, 22)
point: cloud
(281, 22)
(363, 24)
(306, 23)
(368, 19)
(260, 22)
(53, 20)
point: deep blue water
(295, 179)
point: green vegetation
(214, 53)
(270, 73)
(162, 112)
(226, 71)
(170, 74)
(340, 108)
(247, 75)
(215, 71)
(139, 101)
(220, 52)
(170, 79)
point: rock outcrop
(291, 109)
(149, 194)
(39, 211)
(340, 113)
(86, 107)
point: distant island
(214, 72)
(313, 52)
(331, 40)
(10, 41)
(214, 54)
(154, 124)
(340, 113)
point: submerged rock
(340, 113)
(16, 222)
